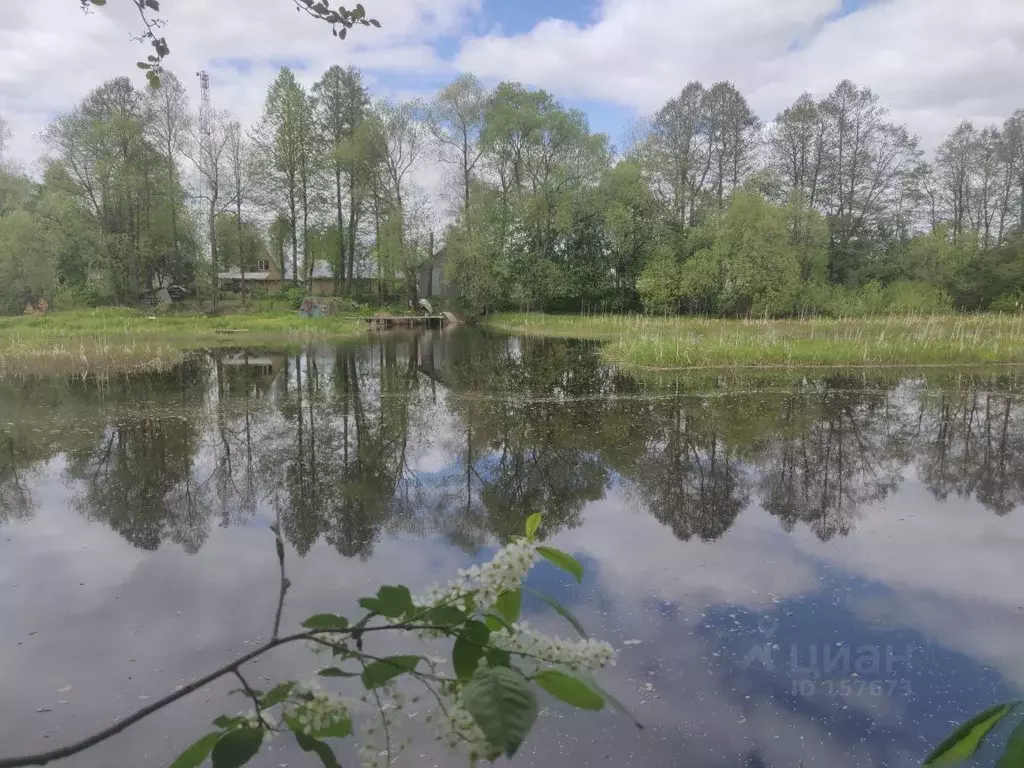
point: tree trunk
(213, 253)
(339, 272)
(352, 220)
(238, 224)
(295, 241)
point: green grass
(697, 342)
(109, 340)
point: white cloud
(51, 54)
(934, 61)
(927, 555)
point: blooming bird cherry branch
(485, 694)
(341, 19)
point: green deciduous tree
(341, 102)
(284, 160)
(760, 271)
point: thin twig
(252, 695)
(383, 719)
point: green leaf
(379, 672)
(965, 740)
(276, 695)
(223, 721)
(339, 730)
(562, 560)
(375, 23)
(390, 602)
(335, 672)
(141, 65)
(236, 748)
(569, 689)
(510, 605)
(469, 648)
(532, 524)
(197, 753)
(560, 609)
(153, 5)
(444, 616)
(326, 621)
(496, 621)
(616, 704)
(496, 657)
(503, 704)
(324, 752)
(99, 2)
(1013, 755)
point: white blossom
(586, 654)
(252, 720)
(322, 710)
(487, 582)
(456, 728)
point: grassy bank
(107, 340)
(693, 342)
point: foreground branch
(42, 758)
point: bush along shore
(698, 342)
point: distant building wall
(432, 279)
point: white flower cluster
(504, 573)
(587, 654)
(322, 711)
(456, 727)
(252, 720)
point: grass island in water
(700, 342)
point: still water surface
(798, 570)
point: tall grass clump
(88, 341)
(697, 342)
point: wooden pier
(389, 322)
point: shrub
(67, 296)
(1013, 302)
(906, 298)
(658, 286)
(294, 296)
(812, 299)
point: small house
(433, 282)
(267, 278)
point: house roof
(321, 270)
(235, 274)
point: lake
(815, 569)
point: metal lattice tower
(205, 123)
(205, 111)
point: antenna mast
(205, 122)
(206, 168)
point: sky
(933, 62)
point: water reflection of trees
(138, 475)
(837, 449)
(687, 474)
(465, 435)
(972, 444)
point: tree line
(832, 207)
